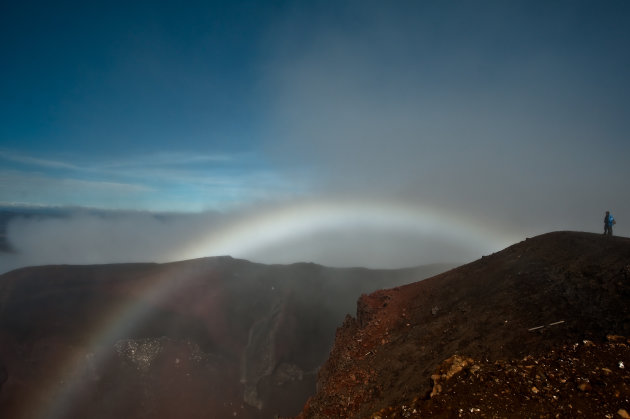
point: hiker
(609, 221)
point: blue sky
(104, 93)
(513, 114)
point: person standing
(609, 220)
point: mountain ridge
(574, 284)
(211, 336)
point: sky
(348, 133)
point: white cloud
(331, 233)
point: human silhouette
(609, 221)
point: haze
(351, 133)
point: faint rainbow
(119, 322)
(273, 226)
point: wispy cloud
(36, 161)
(163, 159)
(25, 180)
(158, 181)
(155, 160)
(41, 189)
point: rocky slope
(215, 337)
(522, 332)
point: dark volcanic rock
(542, 295)
(213, 337)
(3, 375)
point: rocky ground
(521, 333)
(584, 379)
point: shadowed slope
(202, 338)
(577, 285)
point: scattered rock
(449, 368)
(585, 387)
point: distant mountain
(214, 337)
(536, 330)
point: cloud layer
(334, 234)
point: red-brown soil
(489, 313)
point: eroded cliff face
(529, 300)
(263, 360)
(212, 337)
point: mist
(353, 236)
(504, 111)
